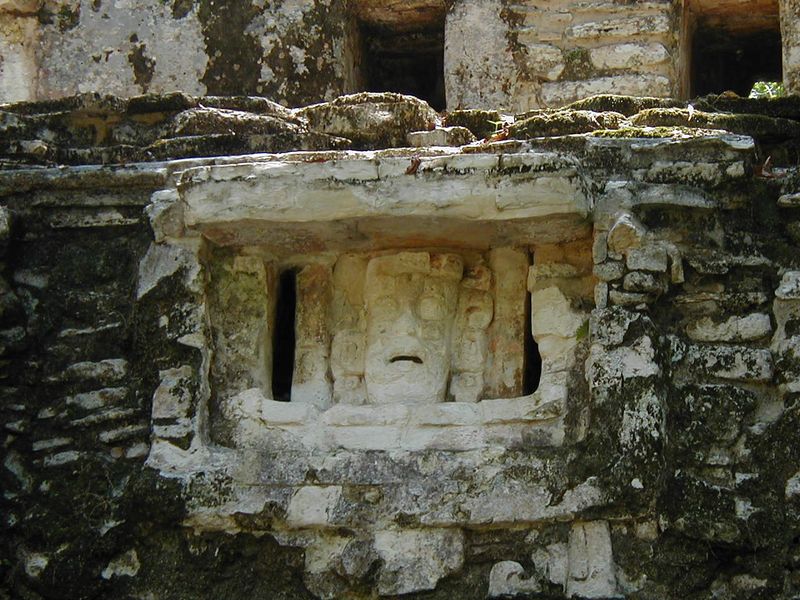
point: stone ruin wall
(640, 253)
(531, 55)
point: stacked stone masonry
(514, 55)
(558, 362)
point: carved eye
(432, 308)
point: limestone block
(173, 398)
(792, 489)
(508, 578)
(789, 287)
(313, 506)
(440, 136)
(165, 215)
(366, 437)
(478, 75)
(607, 368)
(599, 246)
(621, 27)
(448, 413)
(108, 371)
(634, 299)
(162, 261)
(552, 563)
(601, 295)
(552, 314)
(415, 560)
(283, 413)
(733, 329)
(790, 38)
(310, 382)
(626, 233)
(94, 53)
(544, 61)
(651, 257)
(638, 281)
(731, 362)
(591, 562)
(609, 327)
(610, 270)
(628, 56)
(504, 370)
(241, 309)
(19, 38)
(556, 94)
(557, 352)
(371, 119)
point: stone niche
(411, 349)
(381, 334)
(402, 331)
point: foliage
(767, 89)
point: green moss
(482, 123)
(577, 65)
(627, 105)
(566, 122)
(654, 132)
(758, 126)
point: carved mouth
(406, 358)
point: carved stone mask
(411, 301)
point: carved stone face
(411, 301)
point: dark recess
(405, 62)
(283, 342)
(730, 61)
(533, 360)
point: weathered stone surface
(627, 56)
(733, 329)
(441, 136)
(371, 120)
(731, 362)
(416, 560)
(508, 578)
(668, 416)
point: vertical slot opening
(532, 365)
(283, 341)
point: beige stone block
(457, 438)
(172, 398)
(287, 413)
(623, 26)
(508, 578)
(733, 329)
(415, 560)
(313, 506)
(19, 37)
(552, 314)
(545, 61)
(504, 370)
(591, 562)
(347, 416)
(555, 94)
(628, 56)
(448, 413)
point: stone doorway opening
(731, 46)
(402, 48)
